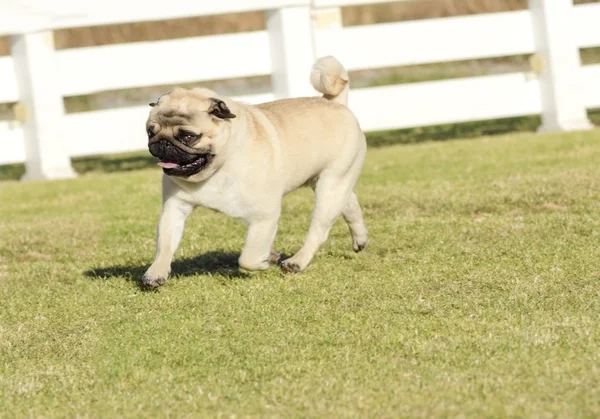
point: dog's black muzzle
(189, 161)
(165, 150)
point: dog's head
(187, 131)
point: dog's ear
(220, 109)
(153, 104)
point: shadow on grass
(220, 263)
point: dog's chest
(221, 194)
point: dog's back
(316, 133)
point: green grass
(479, 295)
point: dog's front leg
(169, 232)
(257, 254)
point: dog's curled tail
(329, 77)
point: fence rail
(38, 77)
(24, 16)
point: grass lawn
(479, 295)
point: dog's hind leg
(332, 193)
(354, 218)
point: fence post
(325, 20)
(46, 151)
(563, 108)
(292, 55)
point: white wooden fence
(37, 77)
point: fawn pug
(242, 159)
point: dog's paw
(360, 245)
(274, 257)
(153, 279)
(289, 266)
(248, 264)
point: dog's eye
(187, 137)
(150, 133)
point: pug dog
(242, 160)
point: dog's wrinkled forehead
(183, 101)
(180, 106)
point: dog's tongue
(167, 164)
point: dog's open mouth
(167, 164)
(177, 162)
(173, 168)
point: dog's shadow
(220, 263)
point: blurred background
(254, 21)
(399, 11)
